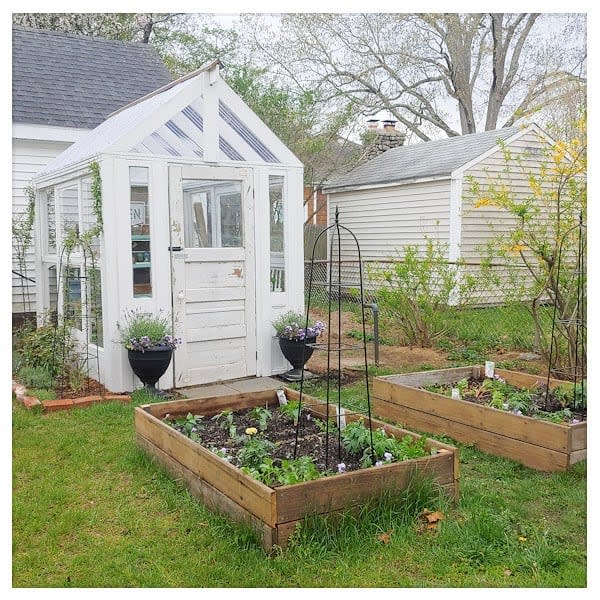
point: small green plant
(290, 410)
(289, 471)
(254, 452)
(140, 331)
(386, 448)
(36, 377)
(225, 420)
(262, 415)
(42, 394)
(190, 426)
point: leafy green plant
(225, 420)
(356, 438)
(262, 415)
(49, 347)
(190, 426)
(254, 452)
(290, 410)
(416, 287)
(289, 471)
(36, 377)
(42, 394)
(140, 330)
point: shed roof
(419, 161)
(70, 80)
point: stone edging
(63, 403)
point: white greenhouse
(200, 210)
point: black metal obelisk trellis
(336, 288)
(574, 323)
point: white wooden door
(212, 271)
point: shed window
(277, 241)
(212, 214)
(140, 232)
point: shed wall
(28, 157)
(386, 219)
(481, 225)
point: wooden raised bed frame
(274, 512)
(535, 443)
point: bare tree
(118, 26)
(497, 68)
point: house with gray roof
(63, 86)
(419, 191)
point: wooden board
(273, 513)
(529, 454)
(535, 443)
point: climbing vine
(22, 234)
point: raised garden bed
(536, 443)
(274, 511)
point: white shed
(411, 191)
(202, 218)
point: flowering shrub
(290, 325)
(141, 331)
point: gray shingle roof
(71, 80)
(428, 159)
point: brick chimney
(380, 139)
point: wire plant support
(575, 324)
(336, 289)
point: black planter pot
(297, 353)
(150, 365)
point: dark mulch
(282, 432)
(540, 401)
(89, 387)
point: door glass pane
(212, 214)
(277, 246)
(139, 212)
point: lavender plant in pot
(150, 343)
(295, 340)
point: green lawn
(91, 510)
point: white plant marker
(281, 397)
(341, 416)
(455, 394)
(489, 369)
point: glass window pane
(68, 199)
(140, 232)
(50, 223)
(277, 241)
(72, 296)
(94, 307)
(212, 213)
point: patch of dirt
(402, 358)
(90, 387)
(281, 431)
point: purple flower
(341, 467)
(388, 456)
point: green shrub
(36, 377)
(42, 394)
(48, 347)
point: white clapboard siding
(480, 225)
(484, 224)
(28, 157)
(384, 220)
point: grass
(91, 510)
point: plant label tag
(489, 369)
(281, 397)
(455, 394)
(341, 417)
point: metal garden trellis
(577, 373)
(334, 285)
